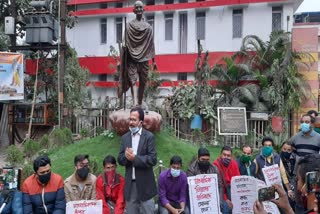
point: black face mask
(44, 179)
(83, 172)
(203, 165)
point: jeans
(225, 208)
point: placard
(232, 121)
(84, 207)
(204, 194)
(244, 193)
(11, 76)
(272, 175)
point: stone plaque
(232, 121)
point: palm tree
(276, 65)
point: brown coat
(73, 191)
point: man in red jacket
(227, 168)
(109, 187)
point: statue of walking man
(139, 45)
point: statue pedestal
(120, 121)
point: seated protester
(268, 158)
(227, 168)
(110, 187)
(246, 166)
(13, 200)
(310, 203)
(172, 185)
(43, 184)
(202, 165)
(81, 185)
(289, 159)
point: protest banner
(204, 194)
(244, 192)
(272, 175)
(11, 76)
(84, 207)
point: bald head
(138, 3)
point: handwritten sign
(244, 191)
(272, 175)
(204, 194)
(84, 207)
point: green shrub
(84, 132)
(31, 148)
(14, 155)
(99, 130)
(94, 165)
(61, 137)
(45, 142)
(27, 170)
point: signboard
(11, 76)
(84, 207)
(204, 194)
(244, 192)
(232, 121)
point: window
(118, 5)
(150, 20)
(168, 19)
(182, 76)
(103, 30)
(102, 77)
(183, 1)
(103, 5)
(237, 23)
(149, 2)
(276, 18)
(168, 1)
(201, 25)
(119, 29)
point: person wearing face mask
(310, 201)
(110, 187)
(43, 191)
(288, 159)
(138, 155)
(267, 158)
(81, 185)
(202, 165)
(246, 166)
(172, 186)
(227, 168)
(306, 141)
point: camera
(313, 183)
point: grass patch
(101, 146)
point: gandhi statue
(140, 49)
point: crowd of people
(47, 192)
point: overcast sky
(309, 6)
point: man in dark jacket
(138, 154)
(43, 191)
(246, 166)
(202, 165)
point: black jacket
(144, 161)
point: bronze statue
(138, 50)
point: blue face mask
(175, 172)
(134, 130)
(305, 127)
